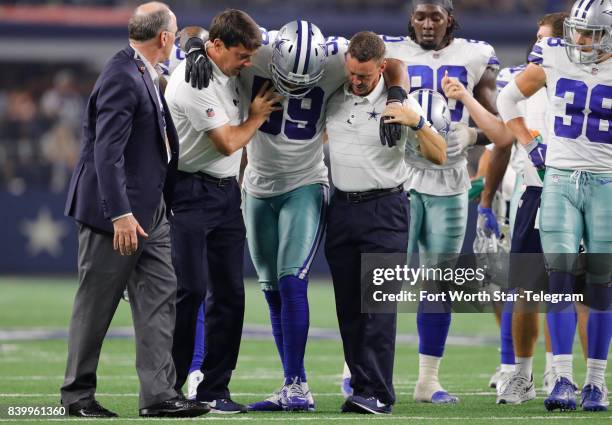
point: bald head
(148, 20)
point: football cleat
(562, 397)
(226, 406)
(274, 403)
(495, 377)
(517, 390)
(369, 405)
(594, 399)
(345, 385)
(193, 380)
(502, 382)
(345, 388)
(293, 397)
(309, 396)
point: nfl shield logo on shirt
(210, 112)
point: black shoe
(176, 408)
(89, 409)
(226, 406)
(368, 405)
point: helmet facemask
(293, 85)
(595, 51)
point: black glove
(391, 133)
(198, 69)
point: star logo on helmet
(279, 43)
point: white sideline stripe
(314, 417)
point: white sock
(428, 368)
(346, 372)
(563, 366)
(507, 368)
(596, 372)
(549, 361)
(524, 366)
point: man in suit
(118, 195)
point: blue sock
(599, 331)
(561, 317)
(295, 323)
(599, 328)
(433, 322)
(199, 348)
(507, 348)
(274, 304)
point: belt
(357, 197)
(223, 181)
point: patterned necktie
(161, 84)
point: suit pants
(379, 225)
(151, 283)
(208, 237)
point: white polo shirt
(195, 112)
(359, 161)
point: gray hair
(145, 26)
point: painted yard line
(262, 332)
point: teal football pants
(576, 206)
(284, 232)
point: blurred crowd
(41, 105)
(40, 127)
(463, 6)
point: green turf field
(31, 371)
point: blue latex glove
(490, 220)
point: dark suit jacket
(123, 165)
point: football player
(438, 194)
(521, 329)
(286, 185)
(577, 72)
(516, 386)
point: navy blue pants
(208, 237)
(376, 226)
(527, 271)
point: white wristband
(507, 102)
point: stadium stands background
(52, 51)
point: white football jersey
(176, 57)
(580, 107)
(287, 151)
(465, 60)
(535, 112)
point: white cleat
(495, 377)
(308, 394)
(517, 390)
(193, 380)
(502, 382)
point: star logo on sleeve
(373, 115)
